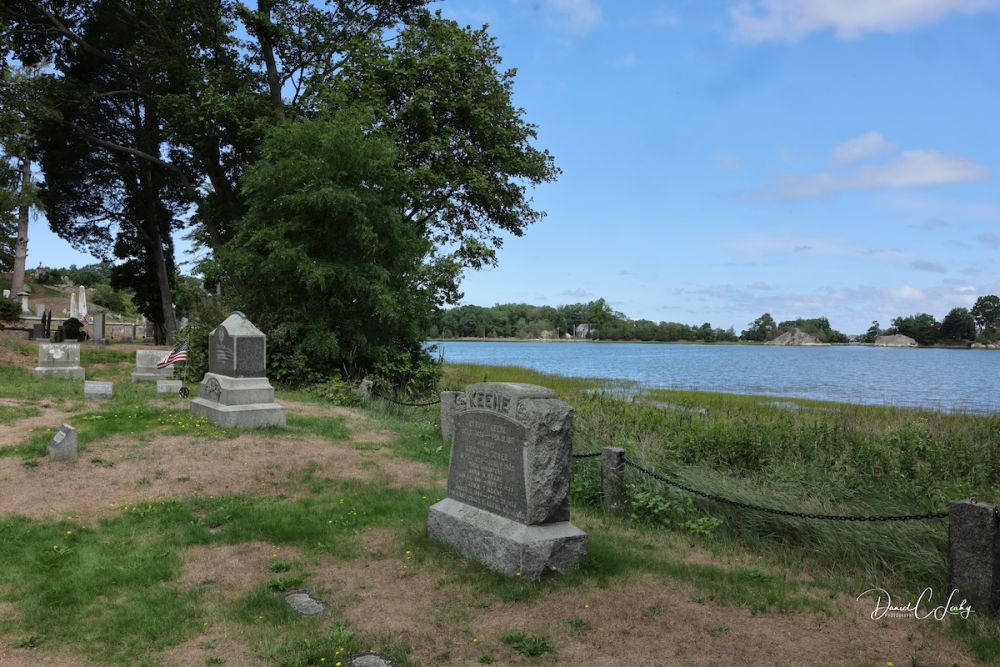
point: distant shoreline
(688, 342)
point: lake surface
(964, 380)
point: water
(952, 380)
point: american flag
(179, 353)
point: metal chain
(586, 456)
(408, 405)
(770, 510)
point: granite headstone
(145, 366)
(97, 389)
(63, 445)
(508, 502)
(61, 360)
(235, 391)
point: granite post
(61, 360)
(974, 555)
(449, 407)
(613, 479)
(235, 391)
(98, 325)
(145, 366)
(508, 482)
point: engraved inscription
(60, 436)
(221, 353)
(487, 464)
(250, 357)
(488, 400)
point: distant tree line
(960, 326)
(600, 322)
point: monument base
(508, 547)
(71, 372)
(253, 415)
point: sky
(725, 158)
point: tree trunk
(163, 282)
(267, 53)
(21, 247)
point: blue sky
(723, 158)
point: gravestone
(235, 391)
(38, 332)
(168, 386)
(39, 310)
(63, 445)
(25, 306)
(97, 389)
(508, 482)
(98, 325)
(145, 366)
(6, 294)
(61, 360)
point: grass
(109, 590)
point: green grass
(531, 646)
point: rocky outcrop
(795, 337)
(985, 346)
(896, 340)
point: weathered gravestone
(235, 391)
(61, 360)
(63, 445)
(145, 366)
(508, 482)
(99, 334)
(97, 389)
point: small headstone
(366, 388)
(38, 332)
(6, 294)
(508, 482)
(60, 360)
(97, 389)
(25, 307)
(168, 386)
(235, 392)
(39, 310)
(63, 445)
(304, 603)
(145, 366)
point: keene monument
(508, 481)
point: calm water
(967, 380)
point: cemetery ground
(169, 541)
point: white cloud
(628, 60)
(905, 293)
(931, 267)
(790, 20)
(579, 291)
(911, 169)
(579, 17)
(866, 146)
(728, 161)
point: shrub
(10, 310)
(73, 329)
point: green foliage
(818, 327)
(73, 329)
(921, 327)
(520, 320)
(761, 329)
(531, 646)
(343, 271)
(873, 333)
(958, 325)
(337, 391)
(10, 310)
(116, 301)
(986, 312)
(662, 507)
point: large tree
(958, 325)
(986, 312)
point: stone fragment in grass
(63, 445)
(371, 659)
(304, 603)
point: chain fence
(769, 510)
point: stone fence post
(974, 555)
(613, 479)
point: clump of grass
(281, 584)
(531, 646)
